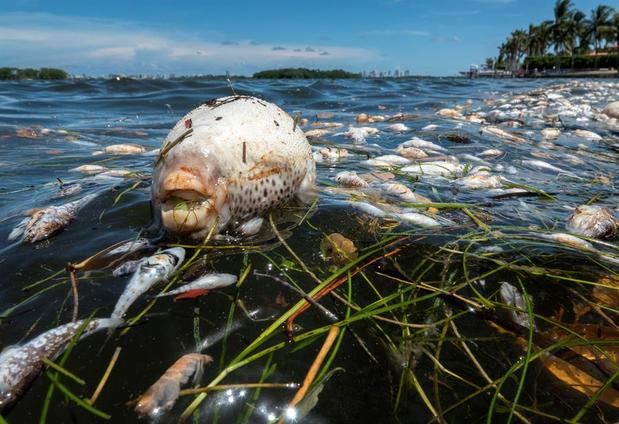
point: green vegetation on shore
(570, 40)
(31, 73)
(304, 73)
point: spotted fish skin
(228, 161)
(20, 365)
(154, 269)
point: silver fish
(206, 282)
(151, 271)
(20, 365)
(45, 222)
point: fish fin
(251, 227)
(191, 294)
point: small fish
(403, 192)
(434, 169)
(90, 169)
(44, 223)
(592, 221)
(480, 180)
(359, 134)
(416, 219)
(398, 128)
(589, 135)
(512, 297)
(206, 282)
(20, 365)
(422, 144)
(491, 153)
(497, 132)
(329, 154)
(550, 133)
(122, 149)
(387, 161)
(162, 395)
(151, 271)
(411, 152)
(368, 209)
(350, 179)
(570, 240)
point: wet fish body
(150, 271)
(206, 282)
(20, 365)
(44, 223)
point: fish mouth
(187, 211)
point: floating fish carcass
(228, 161)
(20, 365)
(150, 271)
(205, 282)
(592, 221)
(44, 223)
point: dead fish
(316, 133)
(229, 161)
(480, 180)
(368, 209)
(491, 153)
(449, 113)
(206, 282)
(399, 127)
(329, 154)
(430, 127)
(151, 271)
(422, 144)
(550, 133)
(122, 149)
(411, 152)
(416, 219)
(403, 192)
(20, 365)
(90, 169)
(592, 221)
(350, 179)
(386, 160)
(512, 297)
(162, 395)
(434, 169)
(569, 240)
(545, 166)
(44, 223)
(323, 125)
(497, 132)
(359, 134)
(589, 135)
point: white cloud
(102, 46)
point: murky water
(47, 129)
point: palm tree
(563, 11)
(600, 24)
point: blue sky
(429, 37)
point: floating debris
(122, 149)
(338, 248)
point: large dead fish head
(189, 193)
